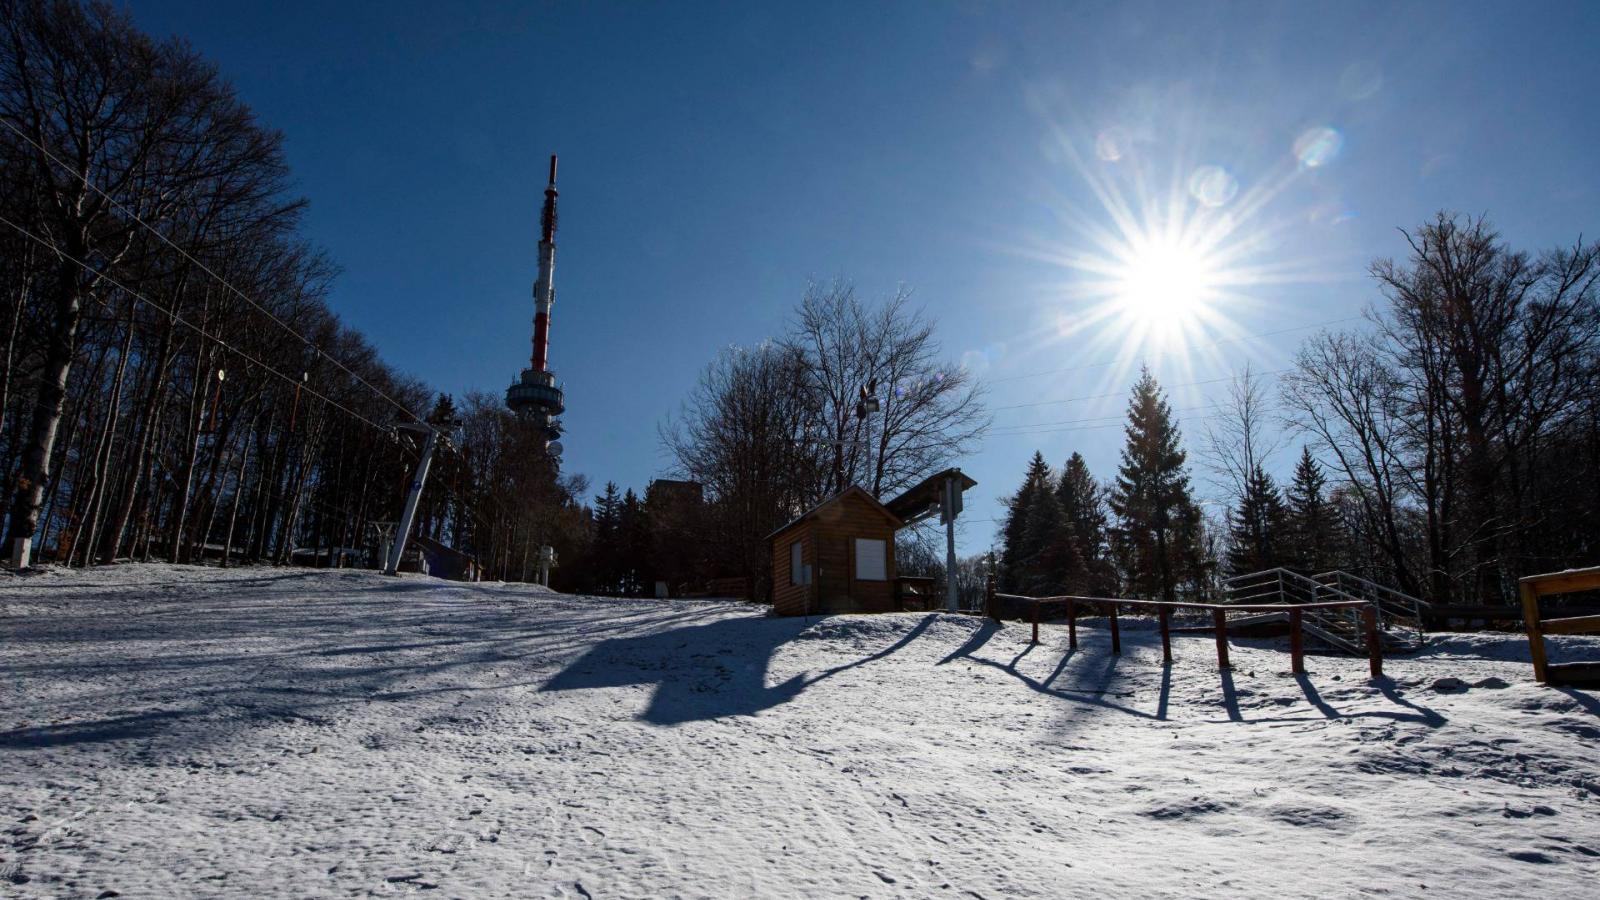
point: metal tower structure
(535, 394)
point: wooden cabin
(837, 557)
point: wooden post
(1369, 624)
(1221, 619)
(1116, 635)
(1530, 619)
(1036, 605)
(988, 597)
(1166, 636)
(1297, 642)
(1072, 624)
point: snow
(177, 731)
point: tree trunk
(60, 348)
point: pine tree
(633, 544)
(1017, 550)
(607, 566)
(1083, 506)
(1157, 519)
(1257, 526)
(1313, 532)
(1053, 560)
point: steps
(1400, 616)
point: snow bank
(172, 731)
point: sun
(1164, 285)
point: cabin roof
(852, 490)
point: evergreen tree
(1158, 523)
(1083, 506)
(1017, 550)
(634, 546)
(606, 568)
(1314, 533)
(1053, 560)
(1256, 527)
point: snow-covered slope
(174, 731)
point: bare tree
(930, 411)
(1241, 438)
(1349, 402)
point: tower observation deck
(535, 395)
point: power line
(182, 321)
(1117, 424)
(207, 269)
(1118, 419)
(1216, 343)
(1122, 393)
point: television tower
(535, 395)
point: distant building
(666, 492)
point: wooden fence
(1219, 612)
(1536, 586)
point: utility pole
(949, 508)
(412, 497)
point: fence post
(1369, 622)
(1221, 620)
(1297, 642)
(1036, 605)
(1072, 624)
(1530, 618)
(1116, 635)
(988, 598)
(1166, 636)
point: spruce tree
(607, 566)
(1257, 526)
(1157, 523)
(1053, 560)
(633, 542)
(1083, 506)
(1313, 525)
(1017, 550)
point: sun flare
(1164, 285)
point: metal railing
(1400, 616)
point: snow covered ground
(171, 731)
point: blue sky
(715, 157)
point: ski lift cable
(182, 321)
(207, 269)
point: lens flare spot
(1360, 80)
(1110, 145)
(1212, 185)
(1317, 147)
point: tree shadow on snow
(705, 671)
(115, 728)
(1088, 688)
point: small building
(837, 557)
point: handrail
(1532, 588)
(1190, 604)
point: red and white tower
(535, 393)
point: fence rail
(1164, 608)
(1571, 581)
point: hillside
(170, 731)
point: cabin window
(872, 560)
(799, 572)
